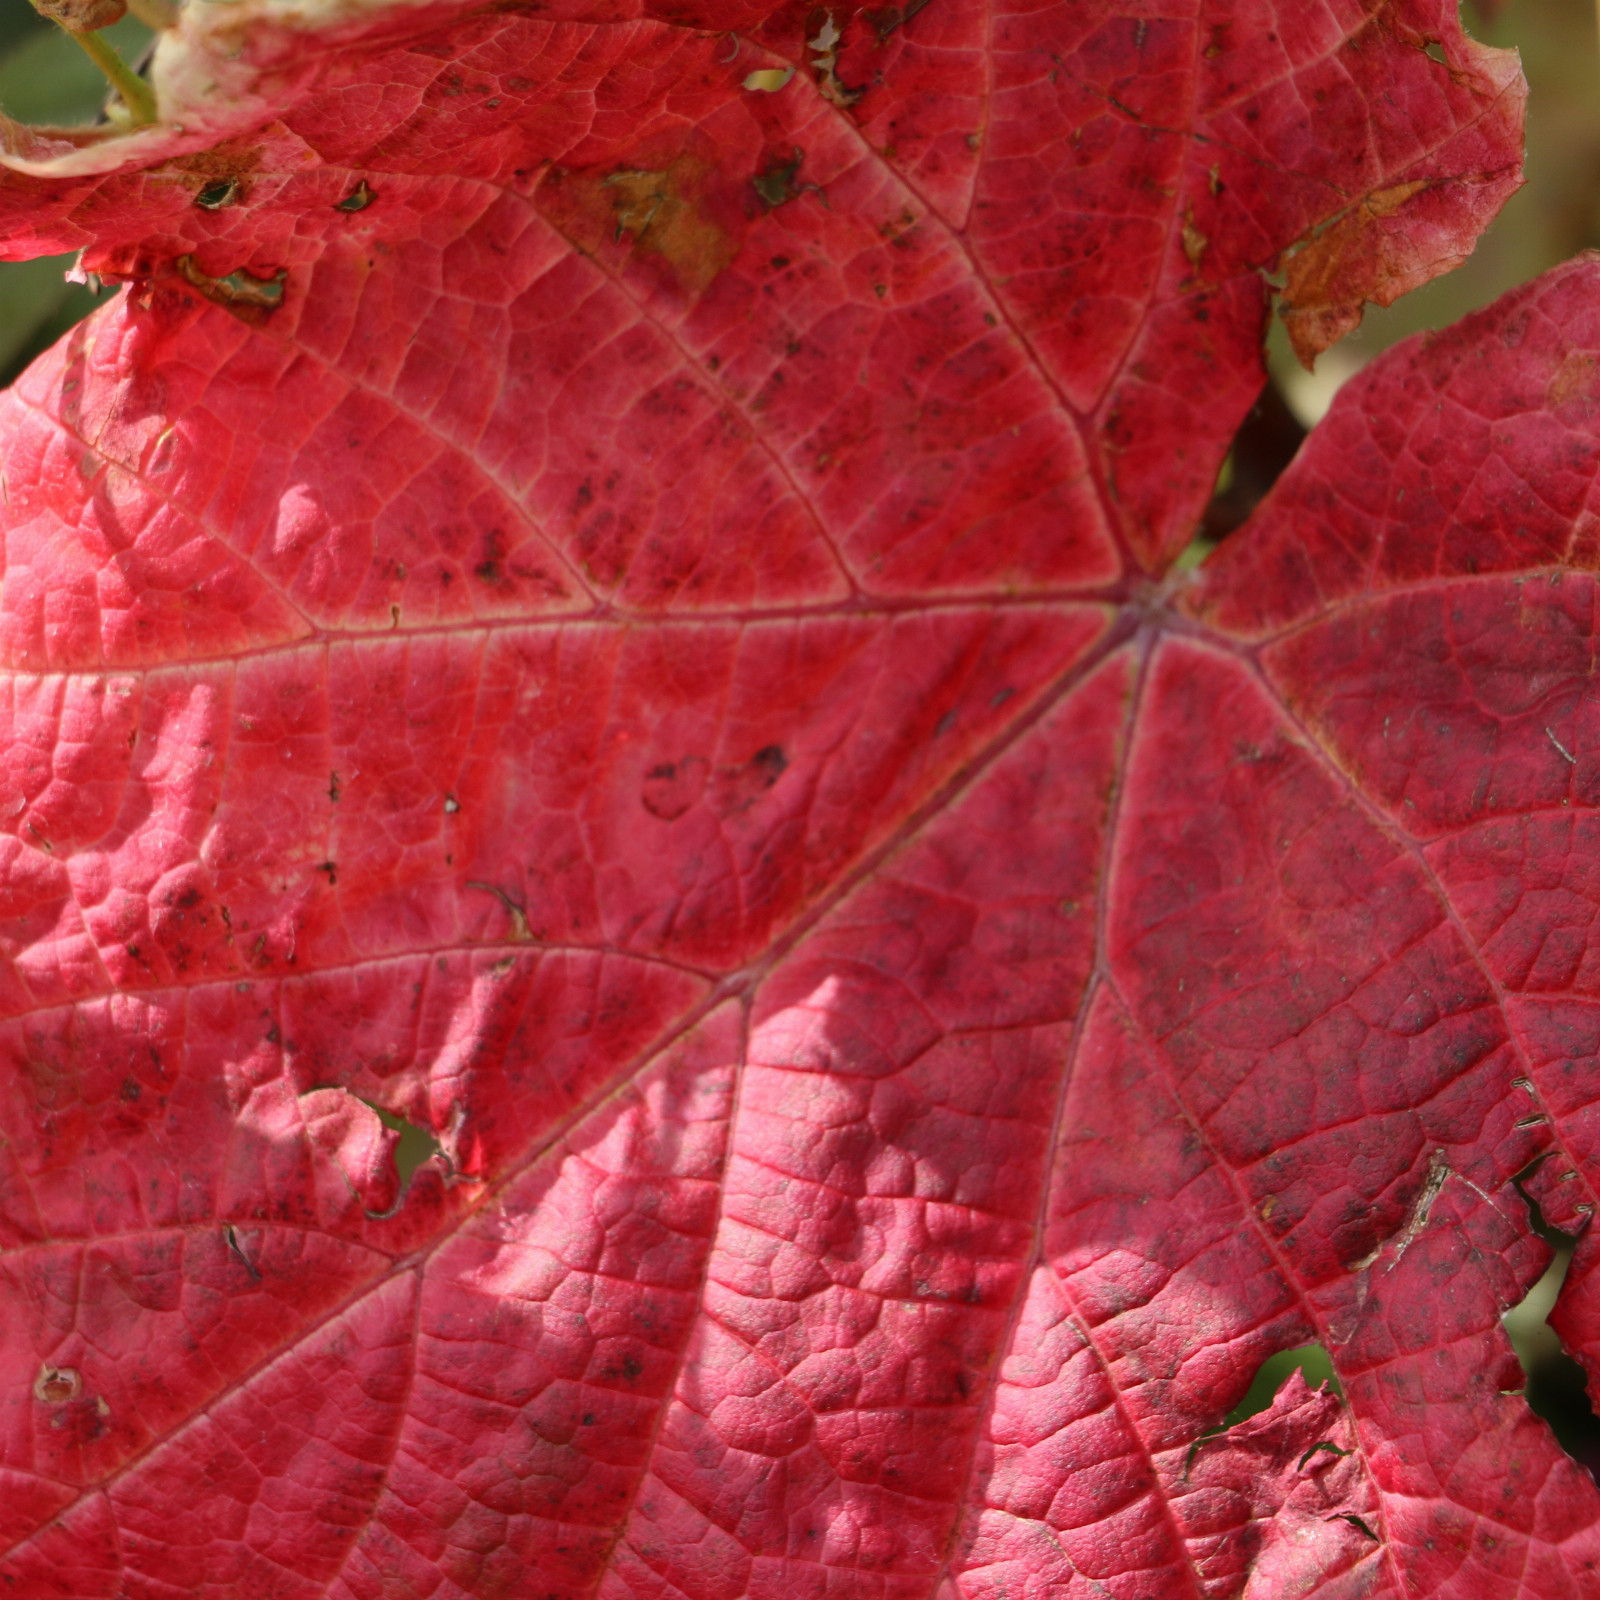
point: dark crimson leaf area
(603, 606)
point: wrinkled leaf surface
(605, 591)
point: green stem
(136, 94)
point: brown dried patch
(1361, 256)
(233, 162)
(1574, 379)
(1385, 202)
(664, 213)
(776, 184)
(82, 16)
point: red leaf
(610, 599)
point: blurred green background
(45, 78)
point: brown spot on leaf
(740, 787)
(1366, 254)
(776, 183)
(1574, 379)
(232, 162)
(666, 213)
(82, 16)
(491, 565)
(515, 911)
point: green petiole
(136, 94)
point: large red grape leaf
(609, 598)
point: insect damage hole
(1309, 1360)
(416, 1145)
(219, 195)
(1556, 1388)
(56, 1386)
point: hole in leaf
(57, 1385)
(236, 1247)
(1321, 1447)
(769, 80)
(1556, 1389)
(1310, 1360)
(358, 199)
(415, 1146)
(215, 196)
(1355, 1522)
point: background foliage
(46, 78)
